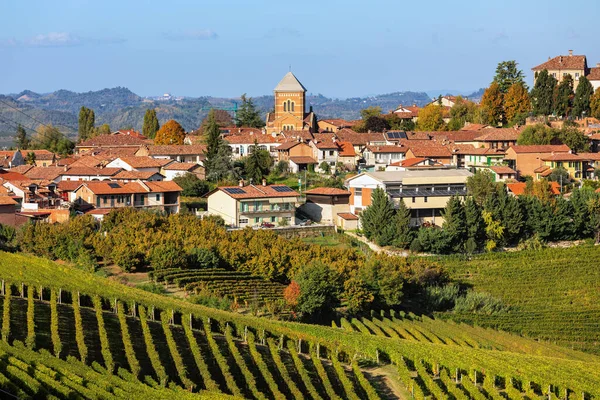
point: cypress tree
(583, 94)
(86, 123)
(543, 93)
(454, 223)
(21, 140)
(218, 152)
(564, 96)
(377, 216)
(151, 125)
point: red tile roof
(129, 132)
(358, 139)
(141, 162)
(563, 157)
(49, 173)
(430, 151)
(257, 192)
(563, 62)
(594, 74)
(327, 191)
(111, 140)
(348, 216)
(498, 134)
(288, 145)
(40, 154)
(388, 149)
(133, 175)
(303, 160)
(543, 148)
(590, 156)
(12, 175)
(89, 171)
(338, 122)
(178, 166)
(518, 188)
(474, 127)
(250, 138)
(501, 169)
(409, 162)
(176, 150)
(7, 201)
(68, 186)
(163, 186)
(105, 187)
(346, 149)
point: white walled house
(140, 163)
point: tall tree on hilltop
(86, 123)
(492, 104)
(584, 92)
(258, 163)
(247, 115)
(507, 74)
(431, 118)
(543, 93)
(563, 99)
(516, 103)
(21, 140)
(595, 104)
(218, 153)
(170, 133)
(151, 125)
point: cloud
(57, 39)
(200, 34)
(282, 32)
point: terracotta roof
(288, 145)
(348, 216)
(250, 138)
(68, 186)
(594, 74)
(418, 135)
(326, 144)
(234, 130)
(346, 149)
(40, 154)
(518, 188)
(543, 148)
(110, 140)
(541, 168)
(133, 175)
(430, 151)
(546, 172)
(178, 166)
(114, 152)
(7, 201)
(163, 186)
(563, 62)
(90, 161)
(387, 149)
(257, 192)
(474, 127)
(563, 157)
(501, 169)
(105, 187)
(129, 132)
(61, 162)
(177, 149)
(49, 173)
(99, 211)
(498, 134)
(590, 156)
(327, 191)
(304, 135)
(463, 135)
(141, 162)
(359, 139)
(89, 171)
(338, 122)
(12, 174)
(303, 160)
(409, 162)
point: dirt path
(387, 383)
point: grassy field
(554, 293)
(111, 326)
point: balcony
(266, 210)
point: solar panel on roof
(396, 135)
(234, 190)
(114, 185)
(282, 189)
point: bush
(86, 261)
(281, 167)
(167, 255)
(479, 302)
(152, 288)
(202, 258)
(533, 243)
(325, 167)
(440, 298)
(192, 185)
(127, 258)
(212, 301)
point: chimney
(264, 182)
(560, 59)
(597, 65)
(241, 183)
(570, 53)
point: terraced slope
(244, 356)
(555, 293)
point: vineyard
(237, 285)
(554, 293)
(118, 339)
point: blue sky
(337, 48)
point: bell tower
(290, 101)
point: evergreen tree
(511, 216)
(492, 104)
(377, 216)
(481, 185)
(455, 223)
(582, 220)
(151, 125)
(86, 123)
(563, 100)
(475, 225)
(218, 153)
(247, 115)
(258, 163)
(403, 235)
(507, 74)
(516, 103)
(543, 93)
(583, 94)
(21, 140)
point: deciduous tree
(21, 140)
(516, 103)
(431, 118)
(170, 133)
(595, 104)
(536, 135)
(319, 290)
(50, 138)
(151, 125)
(492, 105)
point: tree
(559, 175)
(507, 74)
(50, 138)
(574, 138)
(325, 167)
(399, 124)
(218, 153)
(563, 99)
(358, 295)
(581, 103)
(192, 185)
(248, 115)
(481, 185)
(493, 229)
(151, 125)
(319, 291)
(21, 140)
(86, 123)
(516, 103)
(454, 223)
(258, 163)
(170, 133)
(30, 158)
(431, 118)
(462, 111)
(537, 134)
(376, 124)
(492, 105)
(104, 129)
(475, 225)
(402, 234)
(366, 114)
(595, 104)
(543, 93)
(377, 216)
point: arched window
(289, 103)
(284, 106)
(293, 106)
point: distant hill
(119, 107)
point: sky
(336, 48)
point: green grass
(554, 293)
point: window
(244, 207)
(425, 199)
(158, 197)
(284, 106)
(576, 76)
(243, 221)
(331, 152)
(413, 199)
(554, 74)
(98, 202)
(293, 106)
(564, 74)
(273, 219)
(358, 191)
(256, 220)
(105, 199)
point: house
(139, 163)
(129, 132)
(297, 153)
(328, 148)
(415, 163)
(409, 113)
(251, 205)
(43, 173)
(8, 211)
(110, 141)
(132, 176)
(593, 162)
(34, 194)
(444, 101)
(526, 159)
(503, 173)
(163, 196)
(560, 66)
(594, 76)
(574, 164)
(429, 149)
(424, 192)
(347, 155)
(179, 152)
(379, 157)
(176, 169)
(88, 173)
(468, 156)
(498, 138)
(43, 158)
(324, 204)
(242, 144)
(290, 108)
(11, 158)
(347, 221)
(333, 125)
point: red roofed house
(333, 125)
(324, 204)
(157, 195)
(252, 205)
(379, 157)
(175, 169)
(110, 141)
(526, 159)
(503, 173)
(139, 163)
(297, 153)
(434, 151)
(182, 153)
(574, 164)
(242, 144)
(560, 66)
(415, 163)
(498, 138)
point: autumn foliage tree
(170, 133)
(431, 118)
(516, 103)
(492, 105)
(595, 104)
(291, 294)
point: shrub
(441, 297)
(281, 167)
(212, 301)
(202, 258)
(127, 258)
(86, 261)
(192, 185)
(479, 302)
(152, 288)
(167, 255)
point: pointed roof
(289, 83)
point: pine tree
(403, 235)
(86, 123)
(516, 102)
(377, 216)
(475, 225)
(563, 99)
(21, 140)
(584, 92)
(543, 93)
(258, 163)
(454, 223)
(248, 115)
(218, 153)
(151, 125)
(491, 103)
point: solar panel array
(435, 193)
(396, 135)
(114, 185)
(282, 189)
(235, 190)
